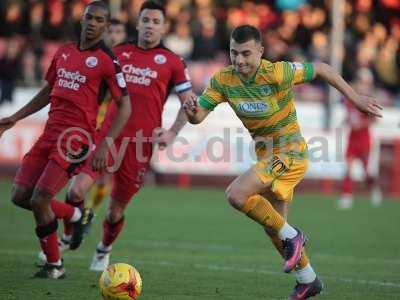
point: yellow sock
(304, 260)
(98, 196)
(260, 210)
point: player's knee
(115, 213)
(40, 200)
(21, 197)
(77, 193)
(114, 216)
(235, 197)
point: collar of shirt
(100, 44)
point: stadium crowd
(198, 30)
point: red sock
(347, 187)
(67, 228)
(370, 181)
(68, 225)
(111, 231)
(62, 210)
(47, 235)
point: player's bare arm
(181, 118)
(164, 137)
(123, 113)
(363, 103)
(37, 103)
(194, 112)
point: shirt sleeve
(51, 74)
(291, 73)
(213, 94)
(181, 77)
(115, 79)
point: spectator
(206, 42)
(289, 4)
(73, 27)
(9, 66)
(54, 25)
(319, 50)
(35, 42)
(386, 66)
(180, 41)
(201, 30)
(12, 19)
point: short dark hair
(115, 21)
(245, 33)
(153, 4)
(101, 4)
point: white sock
(67, 237)
(305, 275)
(287, 232)
(101, 247)
(376, 196)
(347, 198)
(345, 202)
(76, 216)
(57, 263)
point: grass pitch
(190, 244)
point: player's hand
(163, 137)
(99, 161)
(368, 106)
(190, 106)
(6, 123)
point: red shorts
(87, 168)
(45, 166)
(359, 147)
(128, 169)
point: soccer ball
(120, 282)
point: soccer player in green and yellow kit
(261, 94)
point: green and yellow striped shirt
(265, 104)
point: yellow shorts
(101, 114)
(283, 172)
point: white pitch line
(268, 272)
(215, 267)
(229, 248)
(266, 250)
(275, 273)
(353, 259)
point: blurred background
(359, 38)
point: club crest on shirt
(265, 90)
(160, 59)
(91, 61)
